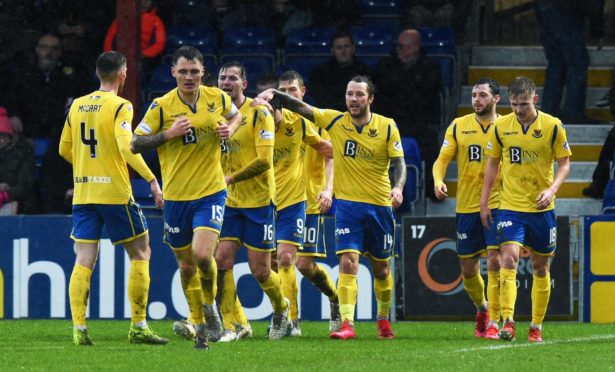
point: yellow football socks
(508, 293)
(541, 291)
(493, 295)
(209, 282)
(273, 289)
(347, 294)
(384, 291)
(78, 290)
(475, 287)
(226, 297)
(322, 281)
(194, 297)
(138, 289)
(288, 278)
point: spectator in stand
(602, 173)
(566, 53)
(335, 13)
(328, 80)
(41, 91)
(409, 86)
(56, 181)
(288, 15)
(16, 170)
(153, 35)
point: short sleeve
(264, 129)
(152, 121)
(449, 145)
(325, 118)
(494, 146)
(561, 146)
(394, 147)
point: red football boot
(384, 329)
(345, 332)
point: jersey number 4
(89, 139)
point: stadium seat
(143, 195)
(303, 64)
(161, 82)
(249, 40)
(608, 204)
(447, 65)
(373, 40)
(414, 184)
(370, 8)
(309, 40)
(438, 40)
(256, 65)
(41, 144)
(202, 38)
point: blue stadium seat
(161, 82)
(608, 204)
(41, 144)
(438, 40)
(414, 184)
(202, 38)
(393, 23)
(256, 65)
(447, 65)
(378, 7)
(303, 64)
(372, 40)
(309, 40)
(142, 194)
(613, 166)
(249, 40)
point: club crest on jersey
(211, 107)
(290, 131)
(373, 132)
(537, 133)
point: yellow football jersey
(527, 158)
(361, 156)
(256, 130)
(290, 136)
(98, 133)
(466, 139)
(190, 165)
(314, 173)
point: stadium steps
(596, 77)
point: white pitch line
(548, 342)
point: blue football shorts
(535, 231)
(314, 237)
(124, 222)
(252, 227)
(182, 218)
(289, 224)
(472, 238)
(365, 229)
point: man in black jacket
(409, 88)
(328, 80)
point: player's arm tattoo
(295, 105)
(262, 163)
(141, 144)
(399, 172)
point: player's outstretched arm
(263, 162)
(139, 144)
(399, 181)
(289, 102)
(325, 197)
(491, 171)
(563, 170)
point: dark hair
(268, 78)
(371, 88)
(189, 53)
(341, 33)
(109, 64)
(243, 73)
(291, 75)
(521, 86)
(492, 84)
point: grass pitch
(418, 346)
